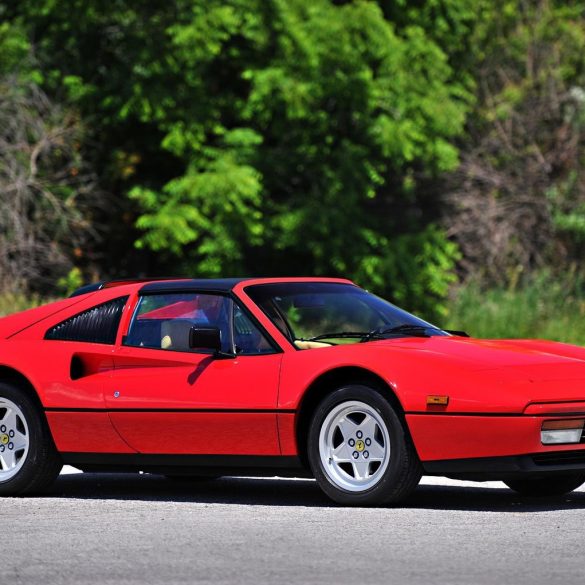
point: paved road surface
(146, 530)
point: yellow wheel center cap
(360, 446)
(4, 439)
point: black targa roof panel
(196, 284)
(119, 282)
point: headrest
(175, 334)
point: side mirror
(205, 338)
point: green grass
(12, 303)
(545, 308)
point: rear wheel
(359, 450)
(546, 486)
(29, 461)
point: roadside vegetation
(15, 302)
(546, 307)
(431, 150)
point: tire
(543, 487)
(29, 461)
(359, 451)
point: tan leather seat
(311, 344)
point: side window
(164, 321)
(96, 325)
(248, 340)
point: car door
(165, 398)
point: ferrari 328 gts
(280, 376)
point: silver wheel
(354, 446)
(14, 439)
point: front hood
(535, 357)
(479, 375)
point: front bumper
(511, 467)
(491, 446)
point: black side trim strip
(187, 410)
(205, 460)
(259, 464)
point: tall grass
(12, 303)
(546, 307)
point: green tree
(265, 136)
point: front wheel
(546, 486)
(359, 450)
(29, 461)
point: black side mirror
(205, 338)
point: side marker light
(435, 400)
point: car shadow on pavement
(292, 492)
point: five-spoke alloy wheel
(359, 450)
(354, 446)
(29, 461)
(14, 439)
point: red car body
(121, 407)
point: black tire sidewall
(398, 439)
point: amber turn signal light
(434, 400)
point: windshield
(331, 313)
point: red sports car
(280, 376)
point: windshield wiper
(411, 328)
(378, 332)
(336, 335)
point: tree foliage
(315, 136)
(263, 136)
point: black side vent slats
(96, 325)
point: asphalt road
(147, 530)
